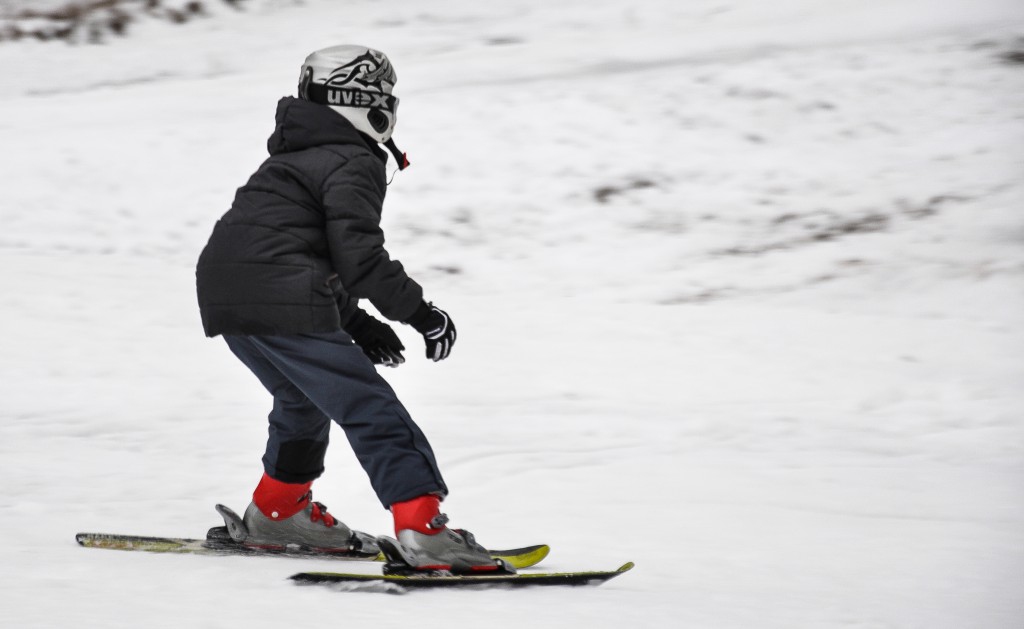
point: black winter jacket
(302, 239)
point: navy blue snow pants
(315, 378)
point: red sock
(416, 514)
(279, 501)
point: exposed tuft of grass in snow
(98, 21)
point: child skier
(280, 279)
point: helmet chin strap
(400, 157)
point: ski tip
(523, 557)
(626, 567)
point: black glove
(437, 329)
(376, 338)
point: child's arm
(353, 199)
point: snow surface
(739, 288)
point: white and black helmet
(356, 82)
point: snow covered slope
(739, 288)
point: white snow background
(739, 288)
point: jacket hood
(302, 125)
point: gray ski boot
(311, 529)
(452, 550)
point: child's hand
(437, 329)
(376, 338)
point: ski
(399, 583)
(218, 542)
(405, 570)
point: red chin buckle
(400, 157)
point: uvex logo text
(351, 97)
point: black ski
(398, 583)
(404, 570)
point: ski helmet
(356, 82)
